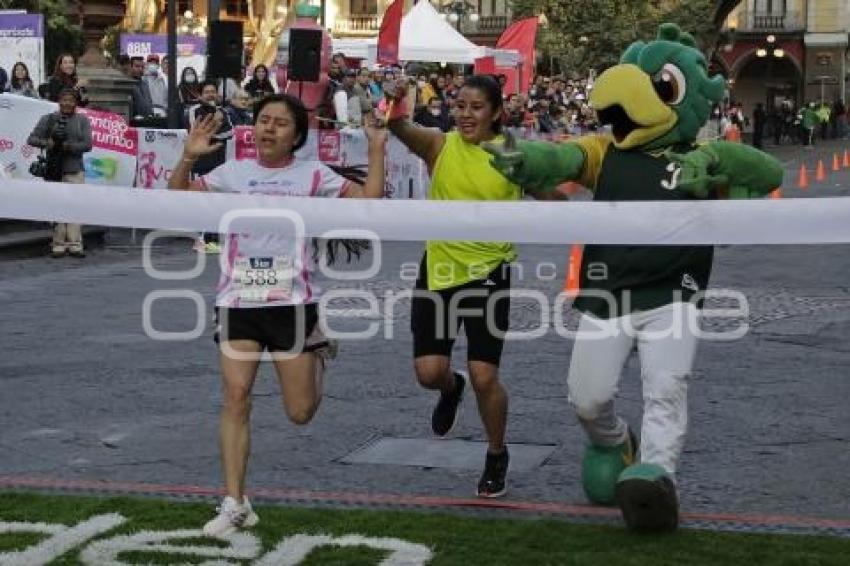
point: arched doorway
(769, 80)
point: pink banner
(329, 146)
(110, 131)
(243, 137)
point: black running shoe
(492, 483)
(445, 414)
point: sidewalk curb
(30, 238)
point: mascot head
(660, 93)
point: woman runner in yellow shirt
(463, 283)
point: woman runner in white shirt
(265, 298)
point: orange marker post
(846, 159)
(776, 194)
(571, 285)
(820, 174)
(803, 183)
(836, 164)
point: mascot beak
(624, 97)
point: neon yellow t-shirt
(463, 172)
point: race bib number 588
(263, 279)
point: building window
(778, 7)
(363, 7)
(236, 8)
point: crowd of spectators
(553, 106)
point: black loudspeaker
(305, 54)
(224, 50)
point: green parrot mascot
(655, 101)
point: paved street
(85, 394)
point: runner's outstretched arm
(375, 178)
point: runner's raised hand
(200, 140)
(375, 132)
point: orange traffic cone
(836, 164)
(571, 285)
(846, 159)
(776, 194)
(804, 178)
(820, 174)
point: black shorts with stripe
(482, 307)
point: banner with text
(191, 49)
(144, 158)
(112, 160)
(158, 153)
(22, 39)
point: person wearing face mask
(424, 91)
(434, 116)
(189, 88)
(157, 86)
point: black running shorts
(276, 329)
(435, 328)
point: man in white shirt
(157, 85)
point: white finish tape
(787, 221)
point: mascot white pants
(666, 340)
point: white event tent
(426, 36)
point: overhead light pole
(173, 100)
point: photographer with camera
(66, 135)
(208, 105)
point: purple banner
(21, 25)
(143, 44)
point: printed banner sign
(22, 39)
(125, 156)
(159, 150)
(21, 25)
(191, 49)
(112, 160)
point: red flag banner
(520, 36)
(485, 66)
(388, 36)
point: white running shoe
(231, 516)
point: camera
(204, 110)
(225, 131)
(38, 168)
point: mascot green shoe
(647, 499)
(602, 466)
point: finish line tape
(786, 221)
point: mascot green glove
(655, 101)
